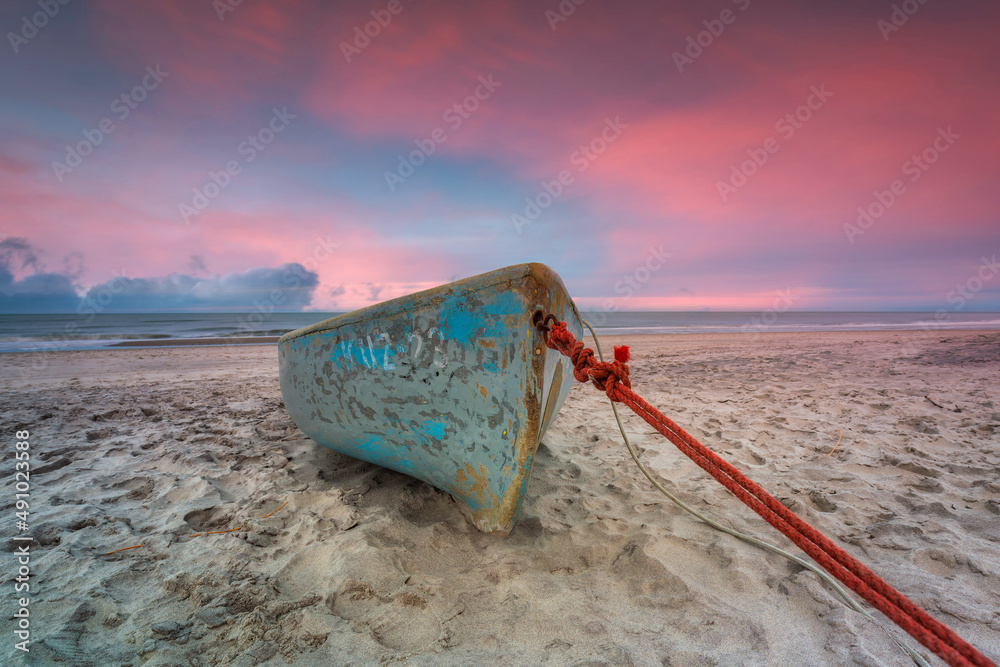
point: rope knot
(606, 376)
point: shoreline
(177, 342)
(272, 340)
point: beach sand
(361, 565)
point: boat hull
(453, 386)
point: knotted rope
(613, 379)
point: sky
(722, 155)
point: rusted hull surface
(453, 385)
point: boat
(453, 385)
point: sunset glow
(841, 154)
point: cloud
(26, 287)
(374, 290)
(286, 287)
(16, 254)
(35, 292)
(197, 264)
(73, 265)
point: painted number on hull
(373, 358)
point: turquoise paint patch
(433, 429)
(368, 444)
(428, 431)
(461, 320)
(402, 465)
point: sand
(361, 565)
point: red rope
(613, 378)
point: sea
(60, 332)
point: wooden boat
(452, 385)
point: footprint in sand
(215, 518)
(822, 502)
(404, 623)
(410, 618)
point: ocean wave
(43, 338)
(797, 327)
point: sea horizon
(70, 331)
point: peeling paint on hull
(452, 385)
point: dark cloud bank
(286, 287)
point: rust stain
(482, 390)
(477, 484)
(550, 405)
(498, 517)
(488, 342)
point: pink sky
(662, 176)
